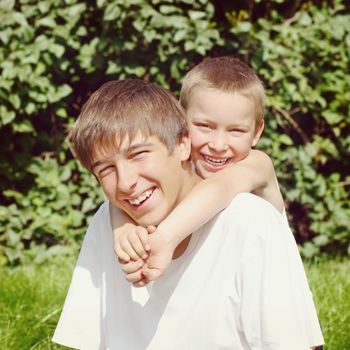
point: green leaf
(20, 18)
(139, 24)
(5, 35)
(180, 35)
(168, 9)
(305, 19)
(23, 126)
(332, 117)
(321, 240)
(6, 115)
(61, 112)
(196, 15)
(44, 6)
(64, 90)
(112, 12)
(46, 22)
(7, 4)
(88, 205)
(15, 100)
(285, 139)
(243, 27)
(189, 45)
(76, 10)
(57, 50)
(30, 108)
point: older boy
(238, 284)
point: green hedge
(53, 54)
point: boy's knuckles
(133, 239)
(133, 277)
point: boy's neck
(190, 179)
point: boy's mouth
(137, 202)
(219, 162)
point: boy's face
(142, 179)
(222, 129)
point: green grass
(330, 284)
(31, 298)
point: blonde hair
(227, 74)
(121, 109)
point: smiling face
(222, 128)
(142, 179)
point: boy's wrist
(168, 236)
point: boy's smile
(222, 128)
(142, 179)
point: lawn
(330, 284)
(31, 298)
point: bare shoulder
(259, 162)
(261, 157)
(271, 191)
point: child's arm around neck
(253, 174)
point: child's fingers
(132, 266)
(150, 274)
(132, 275)
(151, 229)
(143, 235)
(122, 256)
(127, 248)
(141, 283)
(136, 244)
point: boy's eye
(105, 171)
(236, 132)
(202, 125)
(139, 154)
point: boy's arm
(213, 194)
(206, 199)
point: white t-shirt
(240, 284)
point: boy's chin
(204, 173)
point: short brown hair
(227, 74)
(123, 108)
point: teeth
(142, 198)
(214, 161)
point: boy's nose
(126, 178)
(218, 144)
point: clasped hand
(144, 252)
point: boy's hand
(131, 242)
(133, 272)
(161, 254)
(159, 259)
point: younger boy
(224, 103)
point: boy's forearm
(217, 191)
(190, 214)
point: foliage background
(54, 54)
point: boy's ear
(184, 148)
(258, 132)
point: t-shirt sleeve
(277, 310)
(80, 321)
